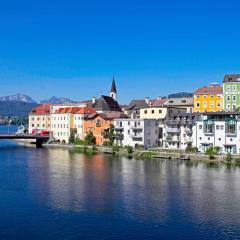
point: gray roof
(106, 103)
(231, 78)
(137, 104)
(113, 88)
(179, 102)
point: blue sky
(152, 47)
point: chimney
(147, 100)
(93, 100)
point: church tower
(113, 92)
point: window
(198, 104)
(234, 98)
(205, 104)
(217, 127)
(234, 88)
(98, 123)
(145, 111)
(228, 98)
(222, 127)
(228, 88)
(200, 127)
(152, 111)
(234, 107)
(219, 139)
(219, 104)
(204, 96)
(212, 104)
(160, 111)
(211, 96)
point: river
(63, 194)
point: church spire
(113, 92)
(113, 88)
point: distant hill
(16, 108)
(17, 98)
(56, 100)
(180, 95)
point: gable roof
(211, 89)
(137, 104)
(158, 102)
(107, 115)
(76, 110)
(106, 103)
(231, 78)
(43, 109)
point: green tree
(109, 135)
(90, 139)
(212, 151)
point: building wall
(217, 139)
(79, 125)
(231, 96)
(97, 129)
(153, 113)
(39, 122)
(137, 131)
(62, 124)
(208, 102)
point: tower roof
(113, 88)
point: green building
(231, 92)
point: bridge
(39, 139)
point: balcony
(119, 128)
(137, 128)
(119, 137)
(173, 130)
(188, 140)
(172, 122)
(172, 139)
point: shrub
(212, 151)
(229, 157)
(191, 149)
(90, 139)
(79, 142)
(107, 143)
(129, 149)
(237, 161)
(139, 146)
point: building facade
(39, 119)
(133, 132)
(231, 90)
(219, 130)
(179, 131)
(208, 99)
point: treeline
(16, 109)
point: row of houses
(175, 123)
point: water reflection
(150, 190)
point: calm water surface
(63, 194)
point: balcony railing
(173, 130)
(119, 137)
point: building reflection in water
(141, 190)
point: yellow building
(39, 119)
(209, 99)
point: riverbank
(151, 154)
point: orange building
(209, 99)
(100, 123)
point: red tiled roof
(43, 109)
(76, 110)
(212, 89)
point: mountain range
(20, 104)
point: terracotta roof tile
(212, 89)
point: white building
(179, 131)
(132, 132)
(69, 121)
(218, 130)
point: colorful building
(99, 124)
(208, 99)
(231, 90)
(39, 119)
